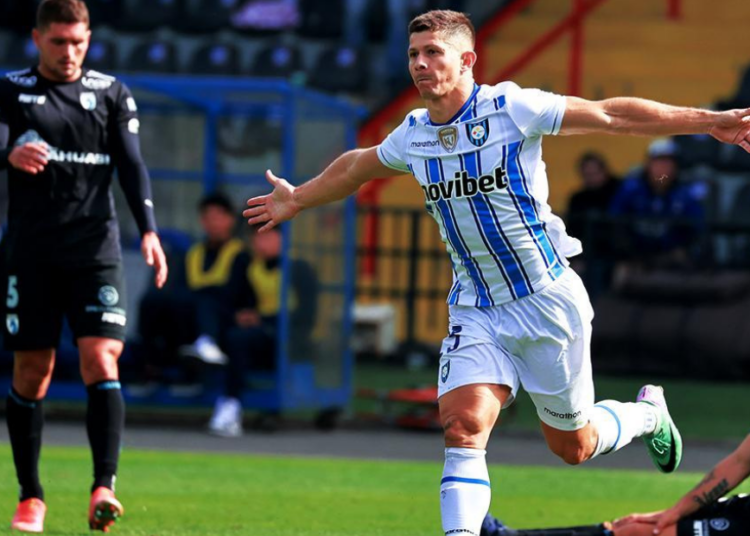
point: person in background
(251, 341)
(586, 209)
(189, 318)
(653, 197)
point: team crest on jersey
(719, 523)
(88, 100)
(448, 137)
(12, 323)
(478, 132)
(108, 295)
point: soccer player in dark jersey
(63, 130)
(700, 512)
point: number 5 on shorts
(12, 300)
(454, 332)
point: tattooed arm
(726, 476)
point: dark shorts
(727, 517)
(37, 298)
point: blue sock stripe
(106, 386)
(619, 426)
(465, 480)
(21, 401)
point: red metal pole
(575, 60)
(674, 9)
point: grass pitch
(206, 494)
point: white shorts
(541, 342)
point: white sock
(617, 423)
(464, 491)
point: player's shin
(25, 420)
(464, 491)
(105, 419)
(618, 423)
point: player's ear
(468, 59)
(35, 36)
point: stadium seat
(153, 56)
(340, 69)
(21, 52)
(215, 58)
(148, 15)
(102, 55)
(322, 18)
(104, 12)
(207, 16)
(18, 15)
(277, 61)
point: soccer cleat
(29, 516)
(492, 526)
(665, 443)
(104, 509)
(205, 349)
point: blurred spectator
(666, 213)
(189, 317)
(585, 221)
(251, 342)
(595, 197)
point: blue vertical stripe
(525, 205)
(536, 212)
(432, 168)
(491, 232)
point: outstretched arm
(340, 179)
(641, 117)
(723, 478)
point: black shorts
(727, 517)
(92, 298)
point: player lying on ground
(63, 131)
(699, 513)
(518, 315)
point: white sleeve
(392, 151)
(535, 112)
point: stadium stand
(102, 55)
(340, 69)
(279, 61)
(20, 52)
(154, 56)
(148, 15)
(207, 16)
(215, 59)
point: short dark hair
(216, 199)
(61, 11)
(593, 156)
(445, 21)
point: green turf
(702, 410)
(203, 494)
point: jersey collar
(460, 112)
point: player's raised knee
(572, 453)
(463, 428)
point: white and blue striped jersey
(485, 184)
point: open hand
(274, 208)
(733, 127)
(30, 158)
(154, 256)
(660, 520)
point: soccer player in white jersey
(518, 314)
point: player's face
(434, 64)
(217, 223)
(62, 49)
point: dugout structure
(201, 134)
